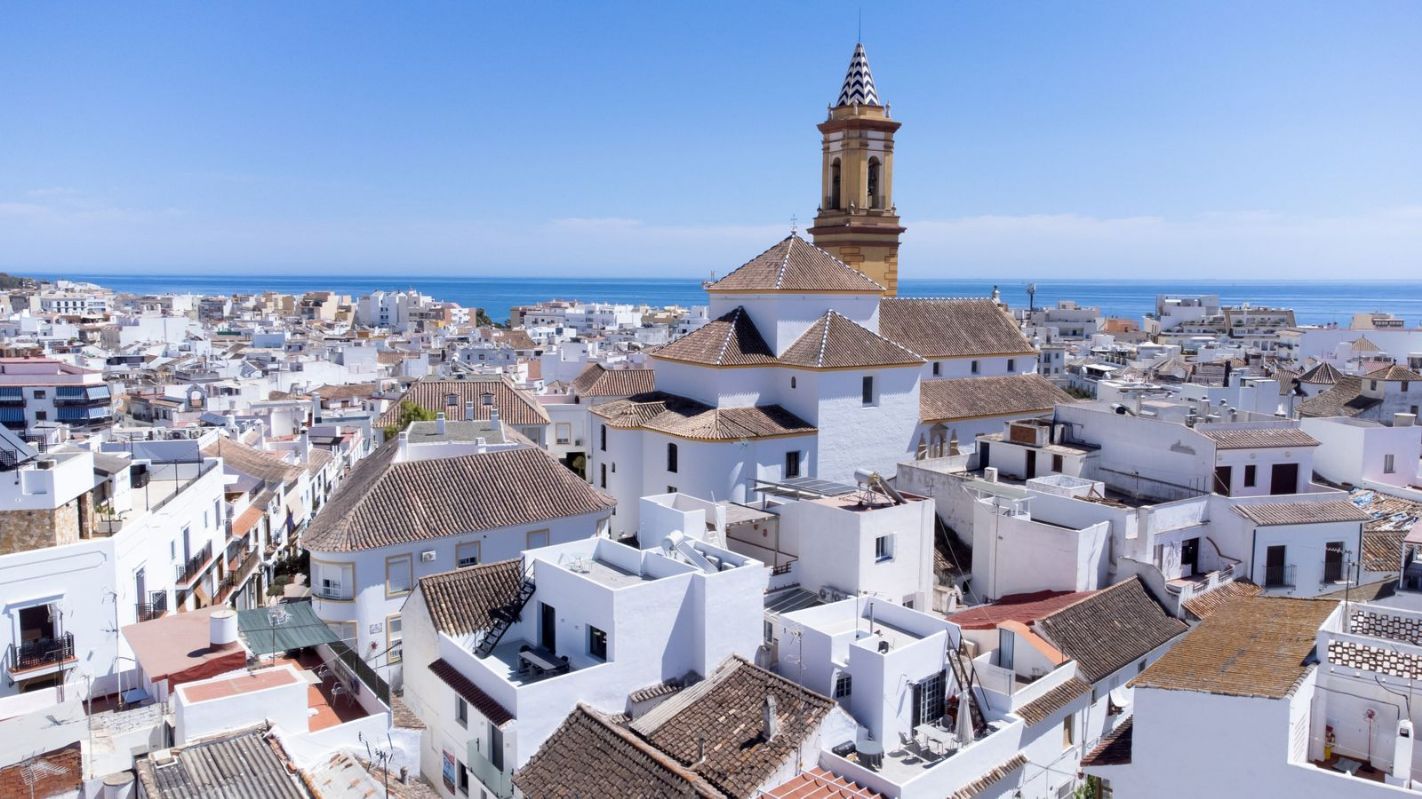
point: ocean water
(1314, 302)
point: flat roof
(246, 683)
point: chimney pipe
(404, 444)
(439, 423)
(469, 411)
(771, 725)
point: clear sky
(1231, 139)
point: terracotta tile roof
(729, 424)
(1345, 398)
(1325, 374)
(975, 397)
(1259, 438)
(460, 601)
(1382, 550)
(982, 784)
(836, 342)
(514, 405)
(1276, 513)
(1202, 605)
(247, 520)
(1115, 747)
(384, 503)
(820, 784)
(239, 457)
(599, 381)
(589, 756)
(951, 328)
(1025, 608)
(347, 391)
(1393, 372)
(726, 711)
(487, 706)
(635, 410)
(730, 340)
(1364, 344)
(795, 265)
(1258, 646)
(1042, 708)
(1110, 628)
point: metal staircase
(504, 617)
(967, 678)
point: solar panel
(806, 485)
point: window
(496, 746)
(563, 433)
(602, 437)
(873, 183)
(843, 684)
(928, 699)
(671, 489)
(937, 368)
(1057, 464)
(834, 184)
(466, 553)
(602, 475)
(792, 463)
(461, 711)
(333, 580)
(537, 538)
(768, 631)
(39, 393)
(1011, 364)
(463, 779)
(597, 643)
(1249, 474)
(792, 381)
(1373, 384)
(973, 367)
(1389, 464)
(671, 458)
(883, 548)
(1067, 731)
(399, 575)
(394, 638)
(867, 390)
(40, 416)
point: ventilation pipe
(771, 726)
(222, 629)
(439, 423)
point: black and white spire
(858, 82)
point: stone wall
(28, 530)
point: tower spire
(858, 86)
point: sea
(1314, 302)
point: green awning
(291, 625)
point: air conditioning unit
(428, 556)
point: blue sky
(1101, 139)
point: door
(983, 455)
(1031, 463)
(1285, 479)
(1275, 570)
(1224, 476)
(548, 627)
(1333, 562)
(1189, 557)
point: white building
(43, 391)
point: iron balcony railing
(1279, 576)
(44, 652)
(155, 609)
(195, 565)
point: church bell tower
(857, 221)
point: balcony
(148, 611)
(498, 781)
(1279, 576)
(237, 575)
(42, 653)
(195, 565)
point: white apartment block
(42, 391)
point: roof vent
(771, 725)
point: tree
(409, 412)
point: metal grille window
(928, 699)
(843, 685)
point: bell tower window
(834, 185)
(873, 184)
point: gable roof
(383, 503)
(1282, 513)
(977, 397)
(1255, 646)
(942, 328)
(685, 418)
(1110, 628)
(1025, 608)
(1345, 398)
(1258, 438)
(514, 405)
(1393, 372)
(599, 381)
(726, 712)
(1325, 374)
(858, 88)
(1202, 605)
(460, 601)
(797, 266)
(487, 706)
(1042, 708)
(837, 342)
(239, 457)
(730, 340)
(589, 756)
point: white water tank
(118, 786)
(222, 628)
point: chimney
(494, 417)
(700, 749)
(222, 629)
(1404, 419)
(770, 726)
(404, 444)
(469, 411)
(439, 423)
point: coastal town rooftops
(979, 397)
(1282, 513)
(384, 502)
(730, 340)
(1110, 628)
(1255, 646)
(837, 342)
(454, 397)
(951, 328)
(1345, 398)
(796, 266)
(1393, 372)
(599, 381)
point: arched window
(873, 184)
(834, 184)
